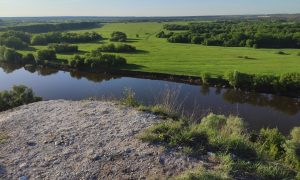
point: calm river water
(258, 110)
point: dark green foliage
(290, 82)
(25, 37)
(281, 53)
(13, 42)
(46, 54)
(162, 34)
(96, 60)
(19, 95)
(63, 48)
(28, 59)
(176, 27)
(257, 34)
(180, 38)
(42, 28)
(118, 37)
(286, 83)
(10, 55)
(56, 37)
(119, 48)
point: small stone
(23, 165)
(23, 178)
(31, 143)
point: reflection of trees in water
(9, 68)
(95, 77)
(287, 105)
(46, 71)
(204, 90)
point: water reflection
(259, 110)
(287, 105)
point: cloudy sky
(145, 7)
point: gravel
(83, 140)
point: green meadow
(157, 55)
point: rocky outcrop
(82, 140)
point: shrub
(118, 37)
(129, 98)
(77, 62)
(292, 148)
(197, 39)
(271, 142)
(19, 95)
(63, 48)
(39, 39)
(290, 82)
(117, 48)
(46, 54)
(10, 55)
(13, 42)
(205, 77)
(239, 80)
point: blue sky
(145, 7)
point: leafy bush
(239, 80)
(46, 54)
(129, 98)
(292, 148)
(96, 59)
(162, 34)
(19, 95)
(290, 82)
(205, 77)
(118, 37)
(122, 48)
(271, 142)
(63, 48)
(13, 42)
(10, 55)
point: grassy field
(157, 55)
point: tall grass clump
(292, 148)
(129, 98)
(205, 77)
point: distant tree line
(257, 34)
(42, 28)
(57, 37)
(117, 48)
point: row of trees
(57, 37)
(95, 60)
(15, 39)
(42, 28)
(258, 34)
(63, 48)
(117, 48)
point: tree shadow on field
(132, 40)
(139, 52)
(133, 66)
(30, 48)
(74, 53)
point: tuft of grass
(203, 174)
(129, 98)
(205, 77)
(3, 137)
